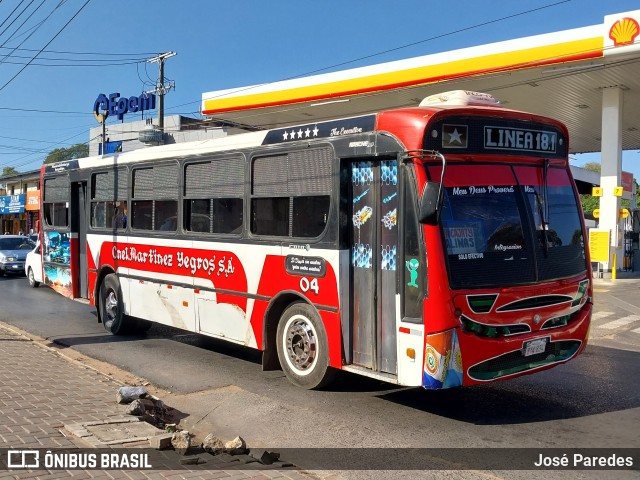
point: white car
(33, 267)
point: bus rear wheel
(111, 308)
(303, 348)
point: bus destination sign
(520, 139)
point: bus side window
(415, 269)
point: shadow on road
(599, 381)
(161, 332)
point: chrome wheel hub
(301, 344)
(111, 306)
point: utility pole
(161, 86)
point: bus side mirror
(431, 203)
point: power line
(36, 110)
(293, 77)
(454, 32)
(15, 19)
(67, 52)
(25, 21)
(48, 43)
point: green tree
(8, 171)
(79, 150)
(590, 203)
(592, 166)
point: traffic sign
(596, 191)
(596, 213)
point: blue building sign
(12, 203)
(114, 104)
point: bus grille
(514, 362)
(535, 302)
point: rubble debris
(263, 456)
(237, 446)
(152, 410)
(181, 442)
(161, 442)
(139, 406)
(193, 460)
(212, 444)
(127, 395)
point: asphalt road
(591, 402)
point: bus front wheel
(111, 307)
(303, 348)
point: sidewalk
(42, 390)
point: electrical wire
(48, 43)
(22, 24)
(366, 57)
(292, 77)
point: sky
(57, 56)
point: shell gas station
(587, 77)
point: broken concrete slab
(114, 431)
(161, 442)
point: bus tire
(111, 308)
(32, 280)
(303, 348)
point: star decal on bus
(294, 134)
(455, 136)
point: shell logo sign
(624, 31)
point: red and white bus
(441, 245)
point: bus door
(374, 240)
(79, 231)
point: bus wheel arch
(301, 343)
(272, 316)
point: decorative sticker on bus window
(56, 256)
(362, 255)
(463, 238)
(388, 257)
(412, 267)
(361, 248)
(390, 219)
(361, 216)
(362, 173)
(56, 248)
(389, 211)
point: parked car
(13, 251)
(33, 267)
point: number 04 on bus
(437, 246)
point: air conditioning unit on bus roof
(460, 97)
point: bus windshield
(511, 226)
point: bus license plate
(533, 347)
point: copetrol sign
(12, 203)
(114, 104)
